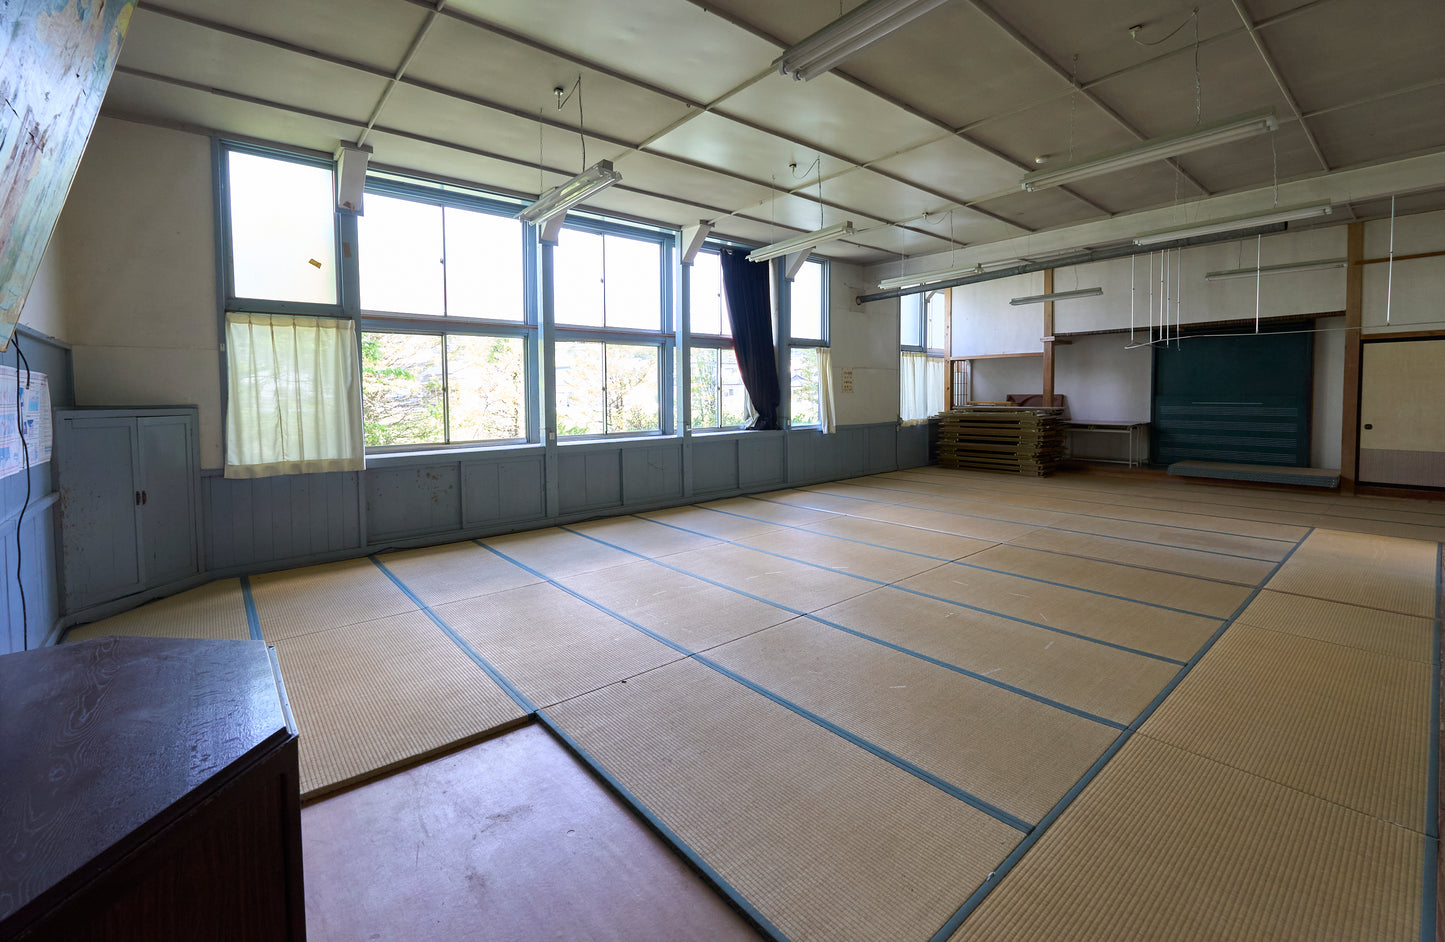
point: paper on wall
(32, 410)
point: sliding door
(1402, 412)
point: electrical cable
(20, 519)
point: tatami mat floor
(930, 705)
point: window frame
(825, 271)
(721, 343)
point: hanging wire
(581, 114)
(1258, 257)
(1390, 268)
(1274, 162)
(1198, 85)
(1133, 269)
(1073, 103)
(1134, 31)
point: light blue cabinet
(129, 483)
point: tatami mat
(1365, 628)
(826, 840)
(784, 582)
(381, 694)
(643, 536)
(1015, 753)
(895, 536)
(1164, 844)
(1091, 677)
(441, 574)
(1218, 599)
(214, 610)
(873, 562)
(1304, 713)
(681, 608)
(551, 645)
(708, 522)
(771, 511)
(316, 598)
(978, 528)
(1146, 555)
(1376, 571)
(1115, 621)
(556, 552)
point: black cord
(25, 452)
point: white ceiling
(919, 139)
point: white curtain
(827, 415)
(294, 402)
(920, 387)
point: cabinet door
(168, 525)
(99, 500)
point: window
(810, 388)
(922, 321)
(282, 229)
(444, 358)
(611, 349)
(719, 399)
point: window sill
(420, 456)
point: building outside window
(719, 399)
(808, 346)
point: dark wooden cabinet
(148, 790)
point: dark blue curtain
(750, 311)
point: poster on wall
(24, 417)
(59, 56)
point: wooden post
(947, 348)
(1048, 339)
(1354, 317)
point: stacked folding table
(1001, 438)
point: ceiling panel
(1370, 48)
(956, 167)
(1155, 184)
(878, 195)
(623, 34)
(180, 50)
(1252, 163)
(1053, 130)
(375, 32)
(1046, 209)
(1400, 125)
(706, 187)
(898, 242)
(716, 141)
(833, 114)
(959, 63)
(459, 56)
(133, 97)
(407, 155)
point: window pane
(486, 383)
(484, 265)
(577, 279)
(633, 279)
(579, 389)
(910, 320)
(734, 394)
(708, 307)
(281, 222)
(807, 302)
(632, 388)
(401, 389)
(401, 256)
(937, 319)
(805, 386)
(704, 388)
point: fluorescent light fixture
(1232, 223)
(1057, 296)
(1320, 265)
(1223, 132)
(846, 35)
(928, 277)
(563, 197)
(800, 243)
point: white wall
(44, 308)
(985, 322)
(1415, 294)
(866, 342)
(139, 262)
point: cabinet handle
(137, 498)
(143, 497)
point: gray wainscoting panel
(589, 478)
(913, 446)
(880, 448)
(412, 501)
(34, 549)
(714, 465)
(259, 521)
(652, 473)
(760, 461)
(503, 491)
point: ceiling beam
(1279, 81)
(401, 70)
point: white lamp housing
(564, 196)
(1231, 223)
(928, 277)
(1057, 296)
(1222, 132)
(799, 243)
(1319, 265)
(846, 35)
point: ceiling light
(563, 197)
(1235, 222)
(1058, 296)
(846, 35)
(1231, 129)
(802, 242)
(1320, 265)
(927, 277)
